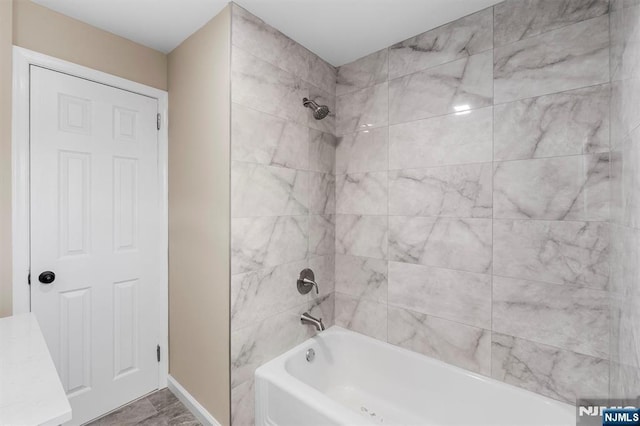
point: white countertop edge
(32, 394)
(62, 418)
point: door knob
(47, 277)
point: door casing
(20, 176)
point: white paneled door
(95, 224)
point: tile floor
(160, 408)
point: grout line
(611, 192)
(547, 31)
(493, 168)
(447, 114)
(492, 105)
(388, 181)
(560, 92)
(421, 265)
(461, 218)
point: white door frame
(20, 205)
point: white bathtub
(357, 380)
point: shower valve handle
(307, 281)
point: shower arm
(306, 102)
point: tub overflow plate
(311, 354)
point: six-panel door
(95, 223)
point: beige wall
(199, 174)
(37, 28)
(199, 204)
(43, 30)
(5, 157)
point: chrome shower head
(319, 111)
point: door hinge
(158, 121)
(29, 278)
(158, 352)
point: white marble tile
(453, 87)
(260, 294)
(561, 188)
(322, 151)
(362, 193)
(463, 37)
(462, 244)
(261, 138)
(623, 23)
(627, 192)
(571, 318)
(629, 107)
(362, 277)
(574, 253)
(321, 74)
(622, 4)
(624, 261)
(264, 340)
(363, 151)
(454, 295)
(568, 123)
(262, 86)
(362, 316)
(519, 19)
(615, 5)
(322, 234)
(625, 329)
(618, 127)
(564, 59)
(362, 109)
(617, 42)
(323, 307)
(629, 60)
(547, 370)
(259, 190)
(260, 39)
(452, 191)
(616, 201)
(259, 242)
(242, 404)
(361, 235)
(322, 193)
(364, 72)
(625, 381)
(626, 88)
(253, 346)
(630, 66)
(450, 139)
(253, 35)
(451, 342)
(324, 269)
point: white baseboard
(190, 402)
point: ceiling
(339, 31)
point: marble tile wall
(625, 209)
(455, 203)
(283, 200)
(473, 177)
